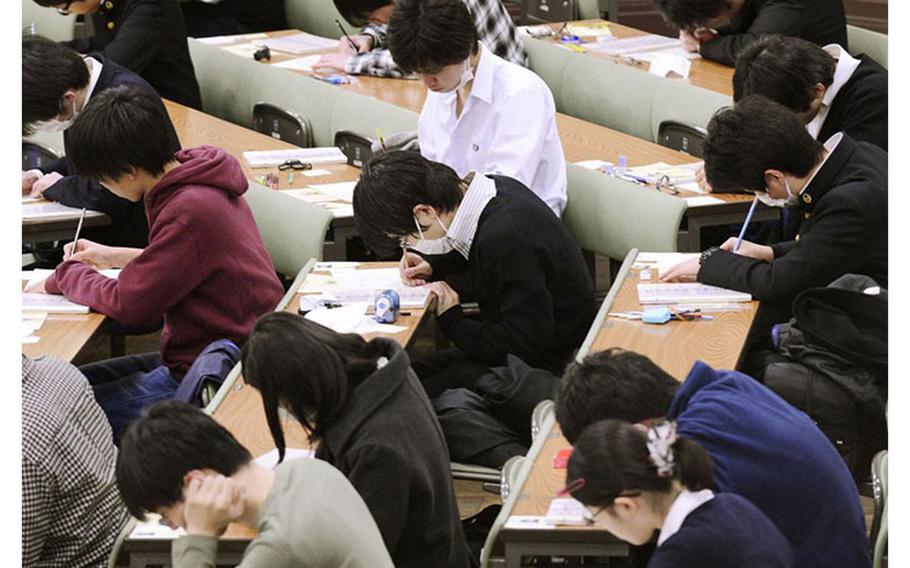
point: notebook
(300, 43)
(567, 511)
(51, 303)
(681, 293)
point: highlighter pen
(742, 231)
(347, 37)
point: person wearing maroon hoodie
(205, 269)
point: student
(482, 113)
(366, 409)
(57, 84)
(147, 37)
(493, 23)
(178, 462)
(633, 482)
(71, 510)
(720, 29)
(829, 90)
(763, 449)
(205, 268)
(836, 193)
(536, 297)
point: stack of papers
(351, 318)
(272, 158)
(31, 322)
(601, 31)
(41, 274)
(52, 304)
(363, 285)
(343, 191)
(687, 293)
(662, 261)
(683, 173)
(632, 45)
(299, 64)
(300, 43)
(566, 511)
(49, 210)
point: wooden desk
(61, 228)
(63, 336)
(703, 73)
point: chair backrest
(541, 412)
(542, 11)
(611, 216)
(606, 306)
(282, 124)
(316, 17)
(47, 22)
(35, 155)
(510, 471)
(49, 141)
(293, 230)
(873, 44)
(590, 9)
(682, 137)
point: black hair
(756, 135)
(357, 12)
(171, 439)
(784, 69)
(390, 186)
(306, 367)
(49, 70)
(612, 384)
(427, 35)
(690, 14)
(612, 458)
(48, 3)
(121, 129)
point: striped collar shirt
(464, 225)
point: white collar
(830, 145)
(93, 80)
(464, 225)
(482, 83)
(846, 66)
(685, 503)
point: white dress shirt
(507, 127)
(464, 225)
(685, 503)
(846, 65)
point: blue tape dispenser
(656, 315)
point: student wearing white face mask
(482, 113)
(836, 191)
(535, 295)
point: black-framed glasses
(590, 517)
(65, 11)
(295, 165)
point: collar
(464, 226)
(846, 66)
(97, 66)
(840, 148)
(484, 75)
(685, 503)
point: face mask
(433, 246)
(54, 125)
(466, 76)
(790, 201)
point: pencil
(742, 231)
(78, 230)
(347, 37)
(381, 139)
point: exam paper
(694, 293)
(631, 45)
(662, 261)
(41, 274)
(343, 191)
(52, 210)
(566, 511)
(351, 318)
(702, 201)
(363, 285)
(51, 303)
(300, 43)
(663, 64)
(299, 64)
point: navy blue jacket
(726, 532)
(773, 455)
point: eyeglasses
(65, 11)
(590, 517)
(295, 165)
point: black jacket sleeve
(80, 191)
(60, 165)
(784, 17)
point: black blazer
(844, 229)
(819, 21)
(388, 443)
(149, 38)
(860, 108)
(129, 226)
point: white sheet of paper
(369, 325)
(316, 284)
(662, 261)
(341, 212)
(269, 460)
(343, 191)
(566, 511)
(300, 43)
(666, 63)
(217, 40)
(691, 186)
(243, 50)
(687, 293)
(631, 45)
(316, 173)
(52, 210)
(299, 64)
(702, 200)
(336, 265)
(343, 320)
(363, 285)
(522, 522)
(649, 56)
(41, 274)
(51, 303)
(310, 196)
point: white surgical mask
(790, 201)
(54, 125)
(433, 246)
(466, 76)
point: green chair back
(47, 22)
(316, 17)
(873, 44)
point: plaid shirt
(494, 28)
(71, 509)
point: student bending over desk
(178, 462)
(366, 409)
(763, 449)
(205, 268)
(633, 482)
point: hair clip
(661, 438)
(571, 487)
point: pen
(742, 231)
(381, 139)
(347, 37)
(78, 230)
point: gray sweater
(312, 517)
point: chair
(544, 11)
(282, 124)
(879, 530)
(293, 230)
(35, 155)
(118, 544)
(47, 22)
(541, 412)
(316, 17)
(510, 472)
(873, 44)
(682, 137)
(605, 306)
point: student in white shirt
(482, 113)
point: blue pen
(742, 231)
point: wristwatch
(706, 255)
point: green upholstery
(873, 44)
(684, 103)
(293, 230)
(226, 82)
(316, 17)
(364, 115)
(50, 140)
(47, 21)
(610, 216)
(588, 9)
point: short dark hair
(427, 35)
(357, 12)
(689, 14)
(171, 439)
(784, 69)
(756, 135)
(307, 367)
(612, 384)
(390, 186)
(48, 3)
(121, 129)
(49, 70)
(612, 458)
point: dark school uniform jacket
(149, 38)
(535, 294)
(388, 443)
(129, 226)
(726, 532)
(772, 454)
(819, 21)
(843, 229)
(860, 108)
